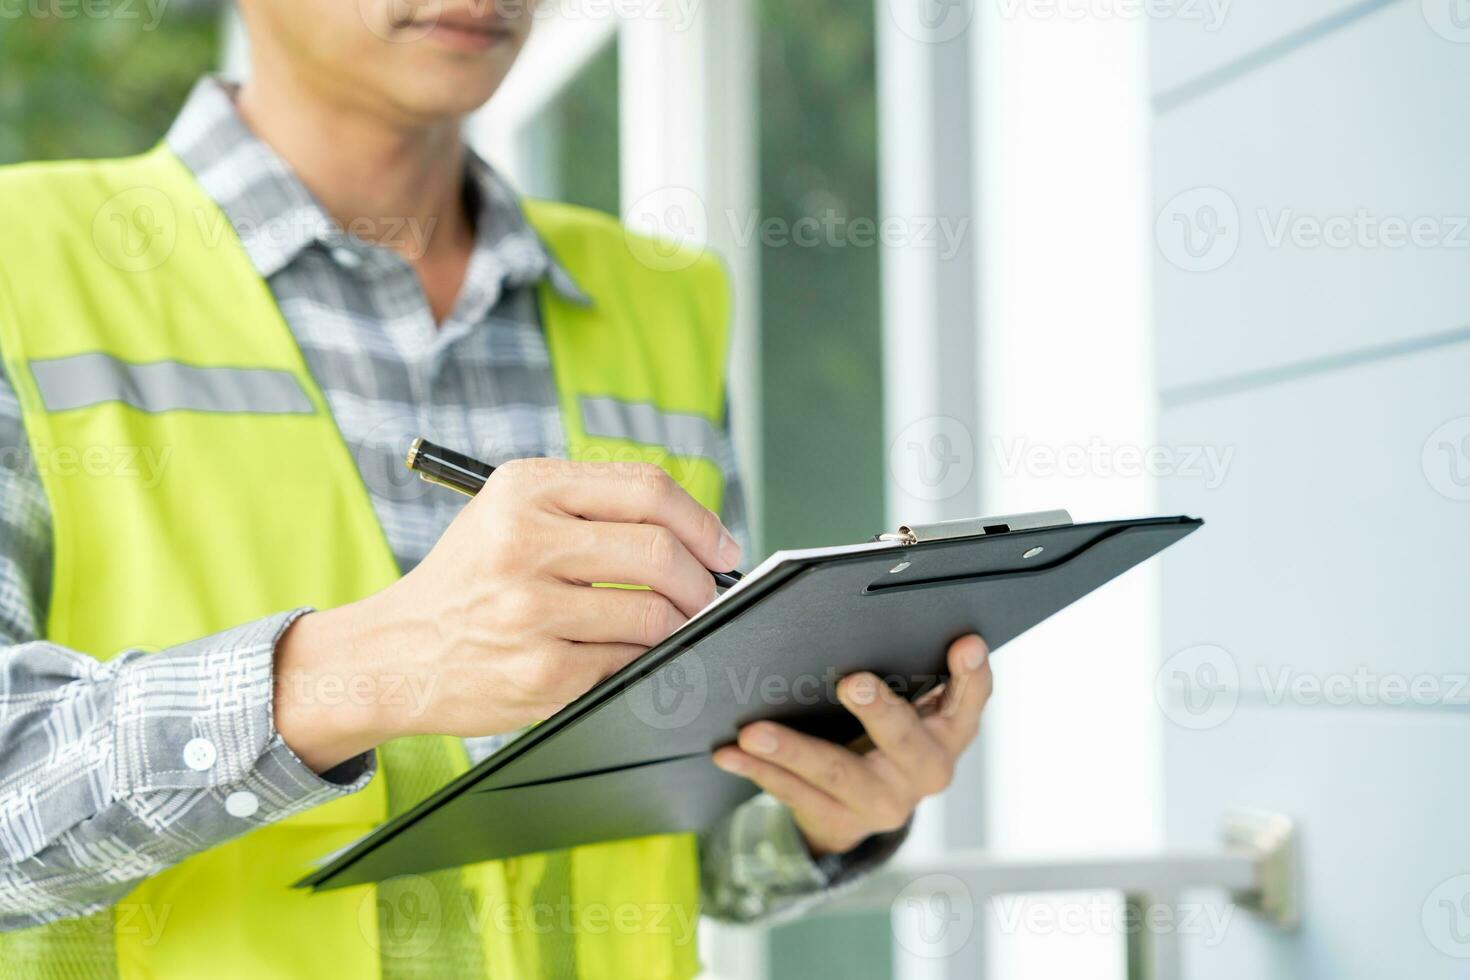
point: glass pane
(822, 438)
(822, 430)
(574, 145)
(105, 81)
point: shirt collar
(276, 218)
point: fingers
(965, 693)
(837, 772)
(838, 797)
(841, 829)
(587, 615)
(908, 749)
(639, 554)
(634, 494)
(828, 825)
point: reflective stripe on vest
(180, 346)
(683, 434)
(166, 386)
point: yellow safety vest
(131, 320)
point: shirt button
(346, 257)
(242, 804)
(199, 754)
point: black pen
(466, 475)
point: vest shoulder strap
(595, 247)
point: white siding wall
(1316, 626)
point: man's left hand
(841, 797)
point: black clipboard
(631, 757)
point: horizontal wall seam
(1185, 92)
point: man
(225, 615)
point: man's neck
(396, 184)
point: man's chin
(434, 96)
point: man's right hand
(500, 626)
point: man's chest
(389, 376)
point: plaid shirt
(98, 787)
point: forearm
(111, 772)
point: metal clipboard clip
(974, 527)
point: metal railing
(1254, 864)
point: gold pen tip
(411, 460)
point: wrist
(329, 702)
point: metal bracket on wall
(1269, 840)
(1255, 864)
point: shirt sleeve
(754, 864)
(113, 771)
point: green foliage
(76, 84)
